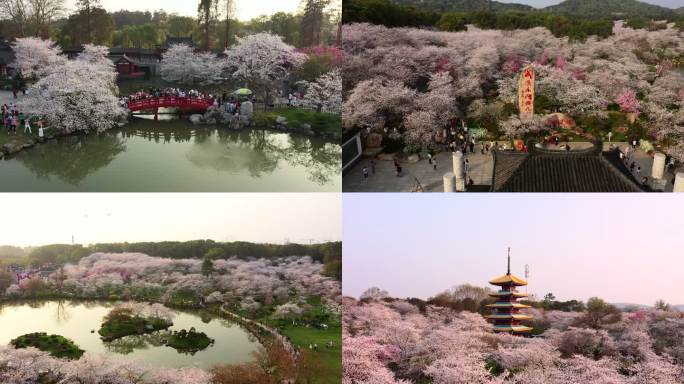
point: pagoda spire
(509, 261)
(506, 315)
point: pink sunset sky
(624, 248)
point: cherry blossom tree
(76, 95)
(628, 102)
(262, 61)
(35, 57)
(181, 64)
(387, 342)
(325, 94)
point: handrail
(169, 101)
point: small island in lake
(134, 319)
(188, 341)
(56, 345)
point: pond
(174, 155)
(75, 320)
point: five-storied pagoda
(506, 316)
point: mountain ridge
(585, 8)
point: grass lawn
(330, 358)
(19, 139)
(189, 341)
(56, 345)
(328, 123)
(130, 325)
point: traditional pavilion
(506, 315)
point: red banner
(526, 94)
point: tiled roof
(561, 171)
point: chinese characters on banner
(526, 94)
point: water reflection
(140, 156)
(80, 320)
(72, 158)
(127, 345)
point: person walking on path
(372, 163)
(434, 163)
(429, 158)
(27, 126)
(365, 173)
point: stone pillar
(679, 182)
(658, 166)
(459, 168)
(449, 182)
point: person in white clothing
(27, 126)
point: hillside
(582, 8)
(612, 8)
(463, 5)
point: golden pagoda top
(508, 279)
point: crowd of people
(13, 118)
(230, 103)
(155, 93)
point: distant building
(506, 316)
(131, 63)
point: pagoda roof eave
(508, 305)
(515, 329)
(508, 279)
(508, 293)
(512, 316)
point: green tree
(215, 253)
(599, 312)
(207, 266)
(75, 32)
(34, 286)
(207, 12)
(6, 279)
(230, 9)
(86, 7)
(452, 22)
(312, 22)
(662, 305)
(180, 26)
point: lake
(75, 320)
(173, 155)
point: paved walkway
(481, 169)
(644, 160)
(421, 173)
(274, 333)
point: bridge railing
(169, 101)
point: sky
(624, 248)
(546, 3)
(246, 9)
(37, 219)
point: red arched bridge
(185, 104)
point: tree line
(215, 27)
(329, 253)
(576, 27)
